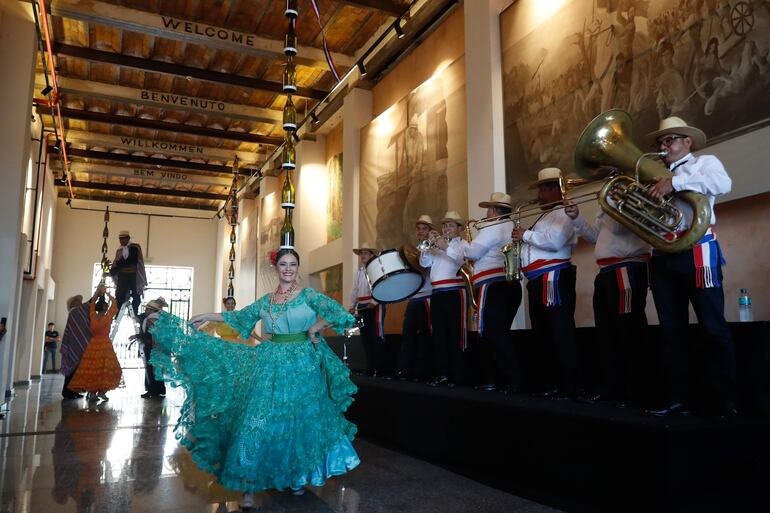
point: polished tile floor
(121, 456)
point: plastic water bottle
(744, 306)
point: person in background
(99, 369)
(128, 272)
(51, 339)
(372, 312)
(154, 388)
(416, 330)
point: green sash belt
(289, 337)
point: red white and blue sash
(549, 270)
(481, 282)
(379, 313)
(707, 255)
(619, 266)
(449, 284)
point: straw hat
(497, 200)
(677, 126)
(123, 233)
(365, 246)
(71, 300)
(549, 174)
(425, 219)
(161, 302)
(154, 304)
(453, 217)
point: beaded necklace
(274, 316)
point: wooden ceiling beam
(111, 187)
(162, 100)
(149, 161)
(172, 27)
(112, 119)
(178, 70)
(174, 148)
(386, 6)
(110, 198)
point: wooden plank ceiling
(155, 109)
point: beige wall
(444, 46)
(172, 241)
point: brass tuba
(605, 146)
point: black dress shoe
(401, 375)
(147, 395)
(728, 412)
(672, 409)
(547, 393)
(589, 398)
(486, 387)
(441, 381)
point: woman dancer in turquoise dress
(270, 416)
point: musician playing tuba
(546, 253)
(692, 276)
(498, 300)
(449, 300)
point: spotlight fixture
(69, 202)
(314, 117)
(361, 68)
(46, 90)
(399, 30)
(57, 145)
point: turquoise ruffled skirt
(258, 418)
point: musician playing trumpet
(416, 331)
(620, 297)
(546, 252)
(498, 300)
(449, 300)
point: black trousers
(65, 391)
(496, 345)
(621, 336)
(374, 346)
(151, 385)
(555, 327)
(448, 323)
(672, 279)
(126, 285)
(416, 359)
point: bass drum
(391, 277)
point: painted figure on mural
(706, 60)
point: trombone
(534, 208)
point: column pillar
(17, 66)
(484, 93)
(356, 113)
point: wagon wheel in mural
(742, 18)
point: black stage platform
(583, 457)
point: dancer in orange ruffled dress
(99, 369)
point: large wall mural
(707, 61)
(334, 201)
(413, 160)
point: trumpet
(430, 242)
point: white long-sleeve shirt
(611, 239)
(485, 248)
(704, 174)
(361, 288)
(552, 237)
(445, 263)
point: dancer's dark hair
(283, 252)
